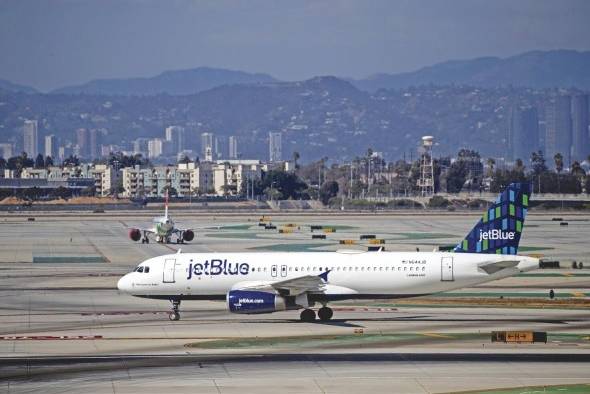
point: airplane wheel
(325, 313)
(174, 316)
(147, 240)
(307, 315)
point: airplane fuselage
(350, 274)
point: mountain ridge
(536, 69)
(173, 82)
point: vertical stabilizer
(166, 205)
(500, 228)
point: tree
(539, 167)
(456, 176)
(39, 161)
(328, 190)
(538, 161)
(184, 159)
(288, 184)
(491, 164)
(62, 192)
(296, 156)
(519, 166)
(558, 158)
(71, 161)
(48, 162)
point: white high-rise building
(6, 151)
(155, 148)
(140, 146)
(50, 146)
(275, 145)
(233, 147)
(175, 137)
(30, 138)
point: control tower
(426, 181)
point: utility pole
(350, 189)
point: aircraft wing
(294, 286)
(495, 266)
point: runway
(65, 328)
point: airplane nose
(124, 284)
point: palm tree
(491, 164)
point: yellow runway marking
(431, 334)
(578, 294)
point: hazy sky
(51, 43)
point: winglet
(324, 275)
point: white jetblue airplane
(163, 228)
(270, 282)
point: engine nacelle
(250, 302)
(135, 234)
(188, 235)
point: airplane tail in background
(499, 230)
(166, 205)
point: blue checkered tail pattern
(500, 228)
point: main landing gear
(175, 314)
(324, 313)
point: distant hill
(537, 69)
(180, 82)
(13, 87)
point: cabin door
(446, 269)
(169, 268)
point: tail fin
(499, 230)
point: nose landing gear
(175, 314)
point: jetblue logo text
(217, 267)
(495, 235)
(250, 301)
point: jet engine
(188, 235)
(135, 234)
(250, 302)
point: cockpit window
(146, 269)
(139, 269)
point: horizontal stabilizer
(492, 268)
